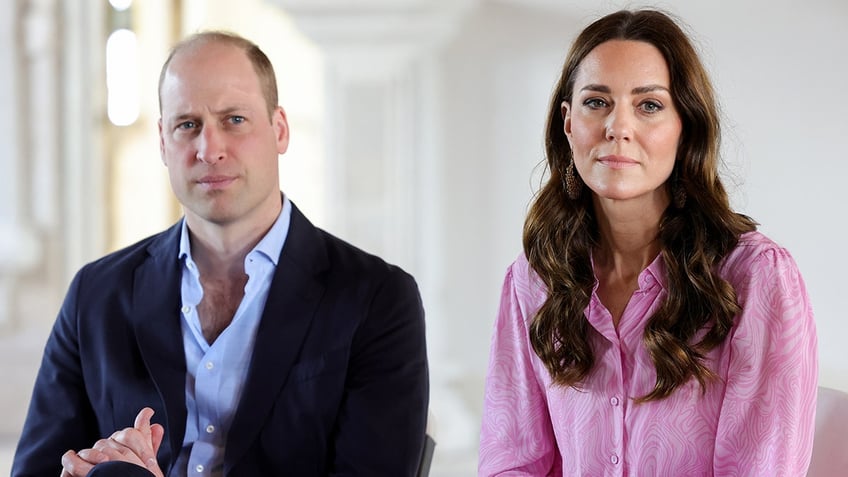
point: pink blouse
(756, 420)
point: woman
(647, 329)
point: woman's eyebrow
(637, 90)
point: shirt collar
(270, 245)
(654, 273)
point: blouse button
(614, 459)
(199, 468)
(210, 429)
(614, 401)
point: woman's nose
(619, 125)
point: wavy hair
(560, 233)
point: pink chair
(830, 446)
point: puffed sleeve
(768, 414)
(516, 437)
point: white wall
(780, 70)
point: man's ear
(281, 127)
(161, 142)
(565, 110)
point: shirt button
(210, 429)
(614, 401)
(190, 265)
(199, 468)
(209, 365)
(613, 459)
(186, 309)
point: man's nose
(210, 145)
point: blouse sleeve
(516, 437)
(768, 413)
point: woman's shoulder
(521, 270)
(521, 276)
(754, 252)
(750, 246)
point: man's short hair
(261, 64)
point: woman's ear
(565, 110)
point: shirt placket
(207, 381)
(613, 401)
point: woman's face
(622, 124)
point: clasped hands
(137, 445)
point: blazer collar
(156, 319)
(296, 291)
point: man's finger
(92, 456)
(142, 421)
(157, 433)
(74, 466)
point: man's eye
(187, 125)
(237, 119)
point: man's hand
(137, 445)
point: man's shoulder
(345, 256)
(131, 256)
(312, 246)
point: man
(243, 341)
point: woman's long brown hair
(560, 233)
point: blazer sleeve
(516, 436)
(768, 414)
(383, 416)
(60, 416)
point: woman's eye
(595, 103)
(651, 106)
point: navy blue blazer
(337, 383)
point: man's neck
(220, 249)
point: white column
(19, 244)
(384, 157)
(49, 207)
(82, 201)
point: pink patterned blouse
(757, 420)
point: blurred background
(416, 134)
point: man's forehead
(206, 54)
(212, 61)
(212, 71)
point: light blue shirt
(216, 373)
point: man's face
(217, 140)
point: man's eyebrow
(229, 110)
(221, 112)
(181, 117)
(599, 88)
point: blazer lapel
(156, 320)
(293, 299)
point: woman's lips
(618, 162)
